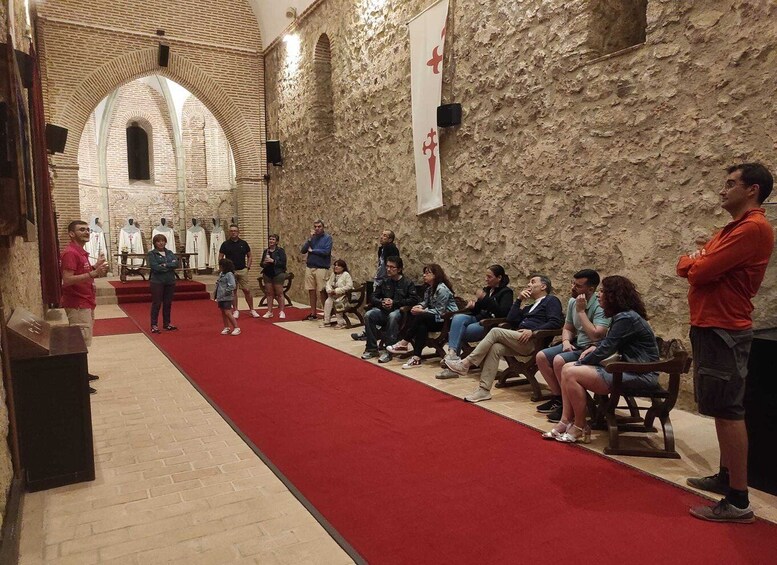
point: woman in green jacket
(162, 263)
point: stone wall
(19, 274)
(561, 162)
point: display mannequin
(197, 243)
(130, 240)
(165, 229)
(96, 245)
(216, 239)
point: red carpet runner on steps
(407, 474)
(139, 291)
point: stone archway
(244, 137)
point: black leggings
(418, 329)
(161, 295)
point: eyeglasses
(733, 183)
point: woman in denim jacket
(224, 294)
(162, 263)
(428, 315)
(630, 336)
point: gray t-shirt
(595, 313)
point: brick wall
(92, 47)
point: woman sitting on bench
(427, 316)
(630, 335)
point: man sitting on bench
(395, 291)
(543, 314)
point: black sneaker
(549, 406)
(724, 511)
(385, 357)
(555, 416)
(311, 317)
(359, 336)
(714, 483)
(93, 377)
(369, 354)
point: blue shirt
(319, 250)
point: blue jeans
(377, 317)
(464, 328)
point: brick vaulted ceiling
(272, 16)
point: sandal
(413, 363)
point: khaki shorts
(241, 277)
(278, 279)
(82, 318)
(315, 279)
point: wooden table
(128, 269)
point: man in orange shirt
(724, 276)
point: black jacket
(402, 292)
(546, 316)
(272, 269)
(495, 306)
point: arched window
(323, 103)
(138, 153)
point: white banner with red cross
(427, 39)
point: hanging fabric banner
(427, 39)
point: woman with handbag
(273, 275)
(338, 288)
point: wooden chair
(286, 288)
(436, 340)
(521, 369)
(356, 298)
(674, 362)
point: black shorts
(720, 367)
(225, 304)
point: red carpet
(115, 326)
(139, 291)
(407, 474)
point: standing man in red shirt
(724, 276)
(78, 290)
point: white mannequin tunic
(169, 233)
(197, 243)
(216, 239)
(131, 241)
(96, 245)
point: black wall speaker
(24, 62)
(274, 152)
(56, 138)
(164, 55)
(448, 115)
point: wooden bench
(674, 361)
(286, 288)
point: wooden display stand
(51, 397)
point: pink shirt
(82, 294)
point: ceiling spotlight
(291, 13)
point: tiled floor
(175, 484)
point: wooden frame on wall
(17, 215)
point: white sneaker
(282, 315)
(236, 331)
(478, 395)
(225, 331)
(254, 313)
(266, 315)
(236, 314)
